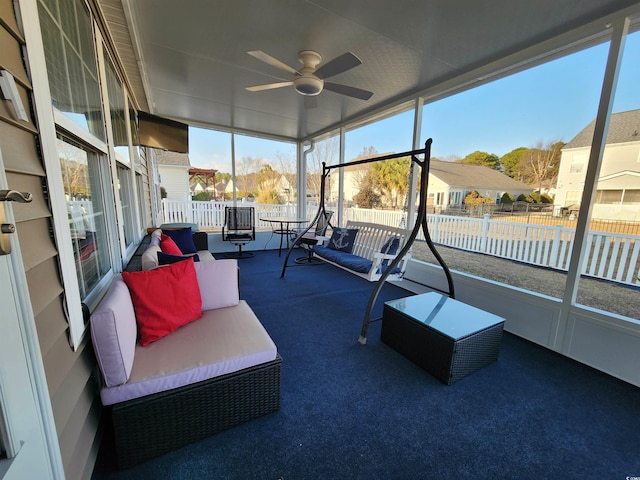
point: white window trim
(51, 121)
(46, 120)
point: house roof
(164, 157)
(474, 176)
(623, 127)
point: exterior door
(24, 452)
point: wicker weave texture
(150, 426)
(445, 359)
(475, 351)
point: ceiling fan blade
(274, 62)
(349, 91)
(269, 86)
(311, 101)
(340, 64)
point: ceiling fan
(310, 80)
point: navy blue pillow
(183, 237)
(342, 239)
(390, 247)
(167, 258)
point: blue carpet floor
(351, 411)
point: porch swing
(393, 263)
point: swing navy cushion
(348, 260)
(342, 239)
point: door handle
(6, 228)
(15, 196)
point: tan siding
(75, 403)
(11, 57)
(20, 147)
(51, 325)
(41, 248)
(73, 393)
(58, 363)
(8, 16)
(85, 450)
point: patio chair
(308, 240)
(239, 229)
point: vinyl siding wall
(70, 379)
(71, 375)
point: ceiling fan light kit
(308, 85)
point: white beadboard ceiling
(188, 60)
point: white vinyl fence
(610, 256)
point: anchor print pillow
(342, 239)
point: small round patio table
(285, 227)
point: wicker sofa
(206, 376)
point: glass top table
(283, 226)
(450, 317)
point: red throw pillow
(167, 245)
(164, 299)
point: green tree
(511, 162)
(367, 197)
(474, 198)
(269, 196)
(392, 178)
(267, 175)
(485, 159)
(203, 196)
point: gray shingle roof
(623, 127)
(474, 176)
(164, 157)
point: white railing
(610, 256)
(210, 215)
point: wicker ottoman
(447, 338)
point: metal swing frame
(421, 222)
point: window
(522, 144)
(609, 196)
(573, 197)
(83, 172)
(271, 177)
(381, 185)
(71, 63)
(325, 151)
(117, 111)
(631, 196)
(125, 191)
(577, 163)
(614, 228)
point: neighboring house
(450, 182)
(173, 169)
(197, 188)
(618, 189)
(286, 187)
(353, 175)
(202, 180)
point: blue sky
(547, 103)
